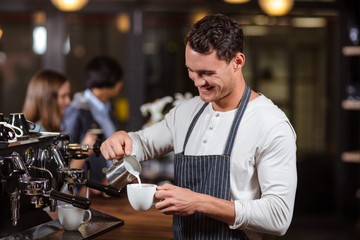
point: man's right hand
(117, 146)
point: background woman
(47, 96)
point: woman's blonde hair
(41, 99)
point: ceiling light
(276, 7)
(69, 5)
(236, 1)
(123, 23)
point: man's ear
(238, 60)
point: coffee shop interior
(305, 58)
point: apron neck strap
(235, 125)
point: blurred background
(305, 58)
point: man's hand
(116, 146)
(176, 200)
(183, 202)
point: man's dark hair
(216, 32)
(102, 72)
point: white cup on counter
(71, 217)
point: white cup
(141, 198)
(71, 217)
(18, 132)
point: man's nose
(198, 80)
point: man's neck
(103, 94)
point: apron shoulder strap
(235, 125)
(193, 124)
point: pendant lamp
(276, 7)
(69, 5)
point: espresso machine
(34, 175)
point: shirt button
(217, 114)
(211, 128)
(205, 141)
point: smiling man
(235, 151)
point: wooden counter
(138, 225)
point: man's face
(214, 78)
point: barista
(235, 151)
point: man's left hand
(176, 200)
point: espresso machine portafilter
(73, 176)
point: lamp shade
(276, 7)
(69, 5)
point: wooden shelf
(351, 156)
(351, 104)
(351, 50)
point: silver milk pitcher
(123, 172)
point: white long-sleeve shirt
(263, 175)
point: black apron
(207, 174)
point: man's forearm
(219, 209)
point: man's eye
(208, 73)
